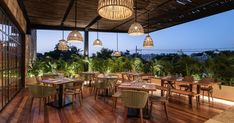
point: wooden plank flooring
(100, 111)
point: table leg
(191, 90)
(162, 91)
(198, 92)
(60, 94)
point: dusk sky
(215, 32)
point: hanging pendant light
(115, 9)
(148, 42)
(75, 35)
(117, 53)
(62, 45)
(97, 42)
(136, 28)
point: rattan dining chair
(40, 91)
(134, 99)
(101, 86)
(163, 100)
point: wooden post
(86, 48)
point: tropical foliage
(216, 65)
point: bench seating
(188, 93)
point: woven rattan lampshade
(148, 42)
(62, 45)
(75, 36)
(115, 9)
(136, 29)
(97, 43)
(116, 53)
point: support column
(86, 48)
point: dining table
(59, 82)
(179, 80)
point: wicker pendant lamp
(117, 53)
(136, 28)
(62, 45)
(75, 35)
(148, 42)
(97, 42)
(115, 9)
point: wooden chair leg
(114, 103)
(165, 108)
(141, 113)
(96, 93)
(32, 98)
(82, 94)
(125, 114)
(80, 98)
(39, 105)
(73, 101)
(203, 94)
(211, 94)
(208, 96)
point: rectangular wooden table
(180, 81)
(141, 86)
(60, 82)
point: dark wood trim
(86, 43)
(67, 11)
(23, 57)
(47, 27)
(25, 14)
(86, 48)
(96, 19)
(10, 15)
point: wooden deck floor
(100, 111)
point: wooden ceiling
(59, 14)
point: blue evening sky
(215, 31)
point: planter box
(30, 80)
(226, 92)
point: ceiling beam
(162, 4)
(95, 20)
(48, 27)
(67, 11)
(25, 14)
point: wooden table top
(59, 81)
(107, 77)
(180, 81)
(138, 86)
(89, 73)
